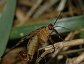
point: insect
(36, 39)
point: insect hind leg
(57, 33)
(52, 43)
(18, 43)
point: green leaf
(82, 34)
(72, 23)
(6, 20)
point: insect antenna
(57, 33)
(57, 18)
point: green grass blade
(81, 34)
(6, 19)
(72, 23)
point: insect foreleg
(57, 34)
(52, 43)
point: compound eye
(50, 26)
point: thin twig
(27, 2)
(28, 15)
(71, 51)
(43, 55)
(44, 7)
(20, 15)
(76, 60)
(65, 44)
(82, 62)
(70, 37)
(70, 7)
(61, 5)
(81, 4)
(58, 46)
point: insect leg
(38, 55)
(18, 43)
(21, 41)
(54, 30)
(52, 43)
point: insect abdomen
(32, 47)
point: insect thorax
(43, 35)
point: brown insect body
(37, 40)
